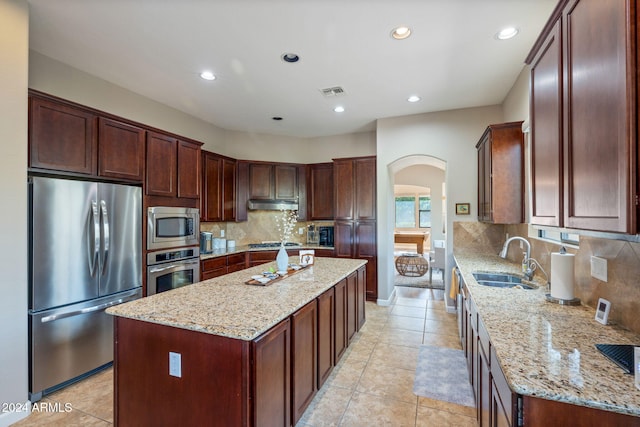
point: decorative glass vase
(282, 260)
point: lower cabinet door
(271, 377)
(304, 327)
(340, 329)
(326, 338)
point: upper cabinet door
(320, 191)
(229, 190)
(121, 150)
(365, 184)
(261, 185)
(546, 135)
(162, 163)
(188, 170)
(286, 182)
(62, 137)
(600, 120)
(211, 201)
(344, 194)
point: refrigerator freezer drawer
(71, 341)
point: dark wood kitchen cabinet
(273, 181)
(173, 167)
(320, 191)
(69, 138)
(218, 201)
(120, 150)
(271, 376)
(587, 121)
(355, 212)
(352, 306)
(501, 174)
(219, 266)
(62, 137)
(326, 334)
(340, 330)
(304, 358)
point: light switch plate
(599, 268)
(175, 364)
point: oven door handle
(171, 266)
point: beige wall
(14, 38)
(515, 106)
(447, 137)
(277, 148)
(56, 78)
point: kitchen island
(533, 362)
(221, 352)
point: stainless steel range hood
(272, 205)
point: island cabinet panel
(352, 306)
(360, 296)
(326, 335)
(320, 191)
(215, 372)
(304, 358)
(120, 150)
(543, 413)
(61, 137)
(271, 377)
(340, 329)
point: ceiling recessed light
(401, 33)
(290, 57)
(507, 33)
(207, 75)
(339, 109)
(276, 118)
(413, 98)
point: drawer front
(236, 259)
(214, 263)
(263, 256)
(235, 267)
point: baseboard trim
(387, 302)
(8, 418)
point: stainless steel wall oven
(171, 269)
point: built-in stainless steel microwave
(171, 227)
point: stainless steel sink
(501, 280)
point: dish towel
(453, 292)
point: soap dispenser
(525, 262)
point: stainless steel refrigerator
(85, 255)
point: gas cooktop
(272, 244)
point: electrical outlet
(221, 233)
(175, 364)
(599, 268)
(301, 230)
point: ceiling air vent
(332, 91)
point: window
(559, 236)
(409, 213)
(406, 212)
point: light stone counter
(228, 307)
(548, 350)
(245, 248)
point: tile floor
(372, 385)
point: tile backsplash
(260, 227)
(622, 288)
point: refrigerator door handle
(105, 230)
(51, 318)
(96, 238)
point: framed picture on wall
(462, 208)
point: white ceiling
(157, 48)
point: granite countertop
(547, 350)
(245, 248)
(228, 307)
